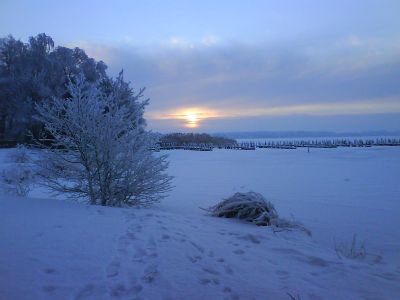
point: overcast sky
(238, 65)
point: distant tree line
(36, 72)
(180, 139)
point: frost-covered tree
(97, 147)
(36, 72)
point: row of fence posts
(294, 144)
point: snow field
(53, 249)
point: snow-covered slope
(52, 249)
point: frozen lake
(336, 192)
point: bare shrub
(17, 180)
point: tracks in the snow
(156, 252)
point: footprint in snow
(216, 281)
(165, 237)
(49, 288)
(228, 269)
(130, 235)
(194, 259)
(207, 281)
(137, 288)
(287, 251)
(85, 292)
(198, 247)
(316, 261)
(113, 269)
(282, 274)
(250, 238)
(49, 271)
(136, 228)
(227, 289)
(139, 255)
(151, 243)
(118, 290)
(180, 234)
(121, 290)
(150, 274)
(211, 271)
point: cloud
(196, 115)
(210, 40)
(333, 75)
(178, 42)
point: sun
(192, 119)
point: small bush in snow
(254, 208)
(19, 176)
(17, 180)
(20, 155)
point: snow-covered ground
(52, 249)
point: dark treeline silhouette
(37, 71)
(180, 139)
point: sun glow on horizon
(190, 117)
(193, 117)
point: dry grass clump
(352, 250)
(355, 250)
(253, 207)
